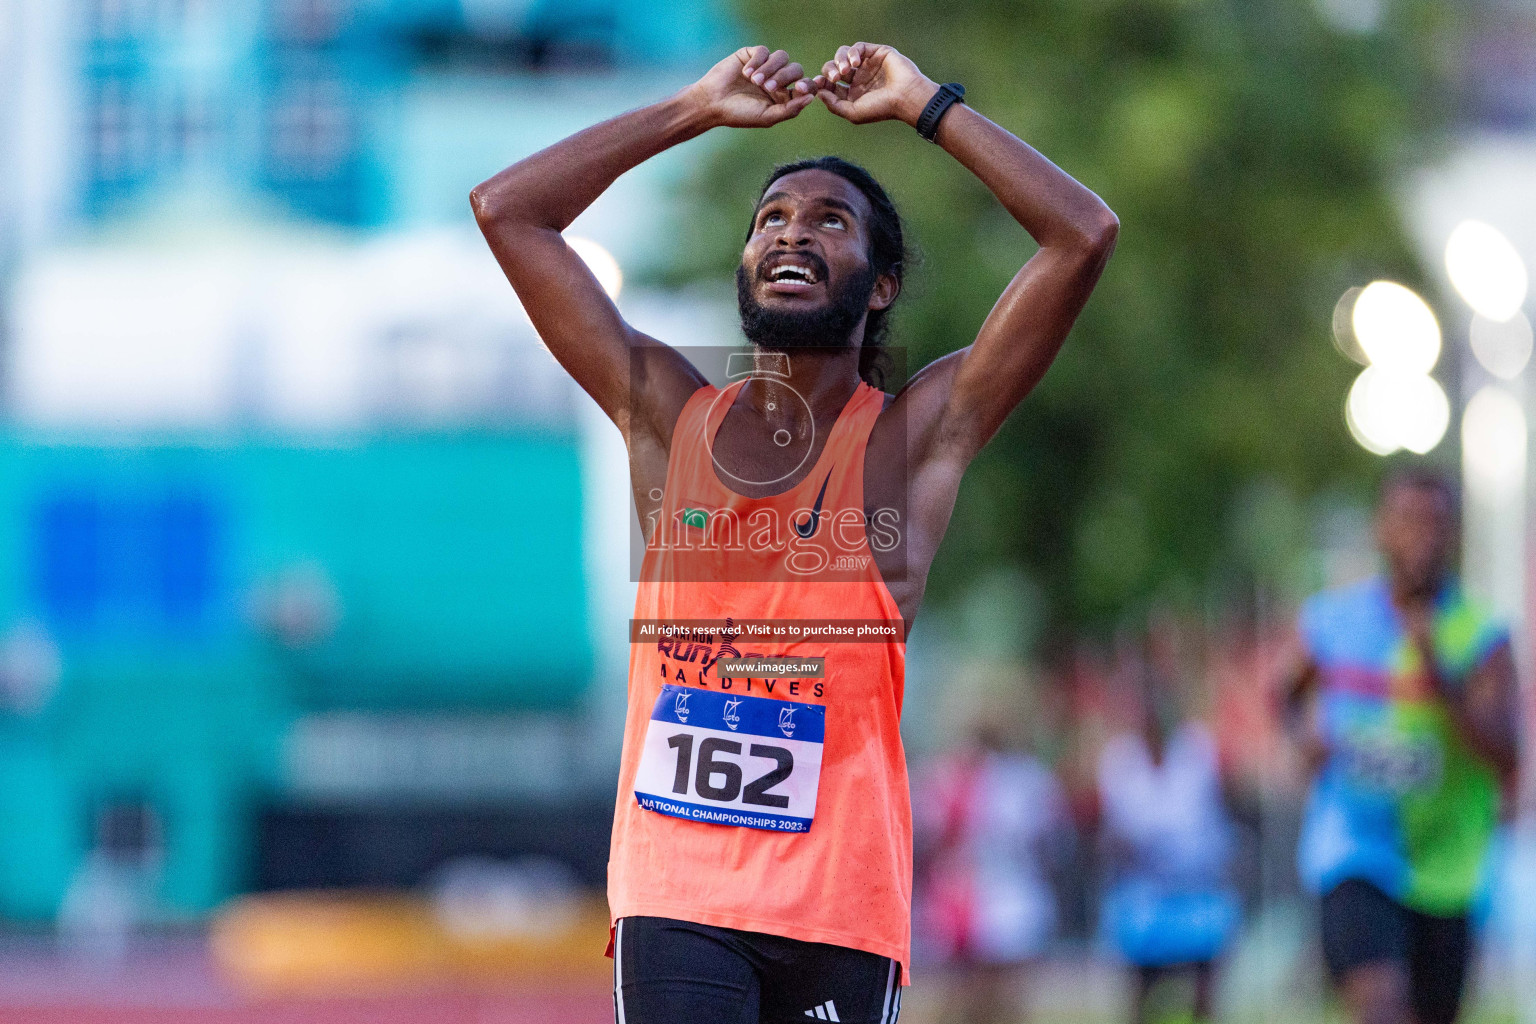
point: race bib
(752, 762)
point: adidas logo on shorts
(826, 1011)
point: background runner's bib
(845, 879)
(744, 761)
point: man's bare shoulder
(908, 422)
(661, 380)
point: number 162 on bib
(750, 762)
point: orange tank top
(775, 802)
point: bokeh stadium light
(1394, 403)
(1503, 349)
(1486, 270)
(1389, 408)
(1489, 275)
(1344, 329)
(1493, 440)
(600, 261)
(1395, 328)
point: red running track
(173, 981)
(586, 1007)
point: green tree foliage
(1251, 152)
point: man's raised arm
(523, 210)
(959, 401)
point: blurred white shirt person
(1169, 905)
(991, 822)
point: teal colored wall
(455, 559)
(460, 581)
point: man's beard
(826, 326)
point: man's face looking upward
(1416, 531)
(805, 277)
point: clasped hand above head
(865, 82)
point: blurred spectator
(29, 668)
(113, 893)
(991, 829)
(1169, 907)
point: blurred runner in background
(1411, 733)
(992, 830)
(1169, 907)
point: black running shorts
(674, 972)
(1363, 925)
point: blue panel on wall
(104, 562)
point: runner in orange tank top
(761, 860)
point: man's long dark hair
(887, 251)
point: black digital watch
(948, 95)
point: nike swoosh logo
(807, 528)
